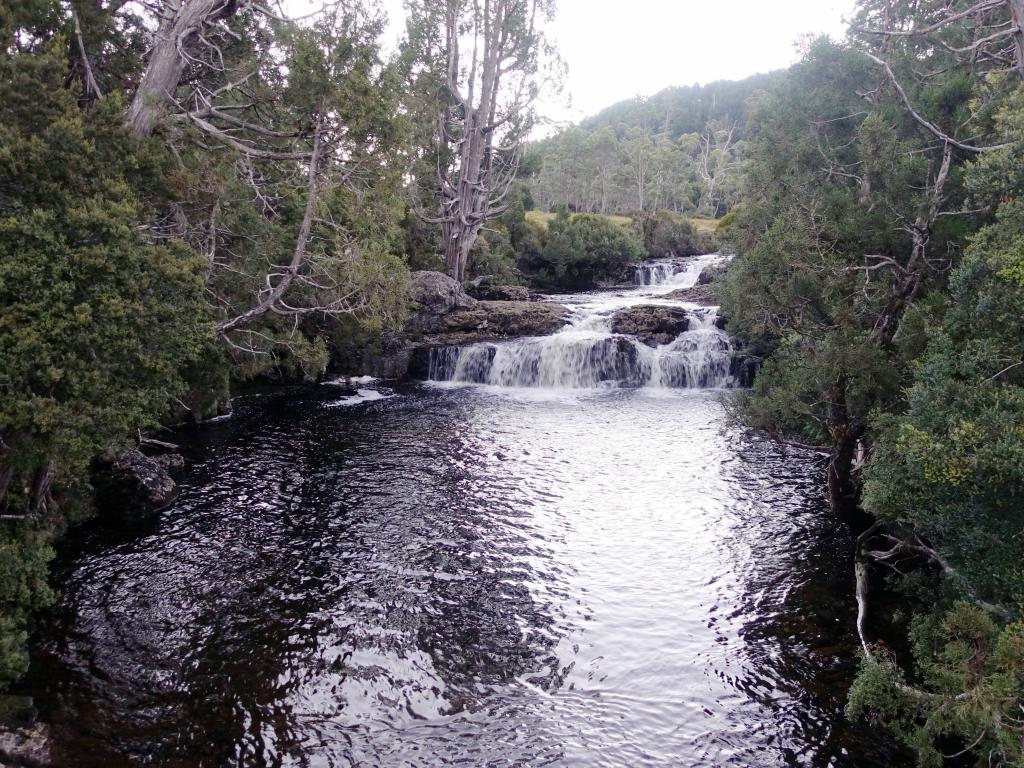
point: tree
(327, 237)
(944, 485)
(873, 168)
(97, 320)
(495, 61)
(797, 283)
(639, 149)
(986, 36)
(717, 161)
(267, 208)
(186, 36)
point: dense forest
(879, 266)
(195, 194)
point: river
(545, 569)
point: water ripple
(462, 577)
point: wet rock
(386, 357)
(743, 368)
(617, 359)
(171, 462)
(436, 295)
(445, 316)
(484, 290)
(439, 362)
(651, 324)
(133, 487)
(27, 746)
(489, 320)
(711, 274)
(419, 361)
(702, 295)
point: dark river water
(561, 556)
(464, 576)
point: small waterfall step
(686, 346)
(700, 357)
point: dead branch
(924, 122)
(301, 241)
(92, 88)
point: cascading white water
(654, 272)
(701, 357)
(586, 353)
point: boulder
(436, 295)
(711, 273)
(133, 487)
(445, 316)
(386, 357)
(702, 295)
(743, 368)
(27, 746)
(484, 290)
(617, 358)
(651, 324)
(489, 320)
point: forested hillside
(676, 111)
(681, 150)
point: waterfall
(586, 353)
(699, 358)
(561, 361)
(654, 272)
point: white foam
(361, 396)
(348, 381)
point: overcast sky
(618, 49)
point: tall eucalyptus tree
(491, 62)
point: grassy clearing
(704, 225)
(543, 217)
(707, 226)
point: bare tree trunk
(90, 88)
(39, 495)
(846, 434)
(1017, 18)
(478, 179)
(181, 28)
(6, 476)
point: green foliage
(666, 234)
(681, 110)
(24, 558)
(952, 466)
(880, 327)
(96, 319)
(583, 250)
(967, 696)
(680, 149)
(606, 249)
(638, 169)
(798, 284)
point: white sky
(618, 49)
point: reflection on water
(459, 576)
